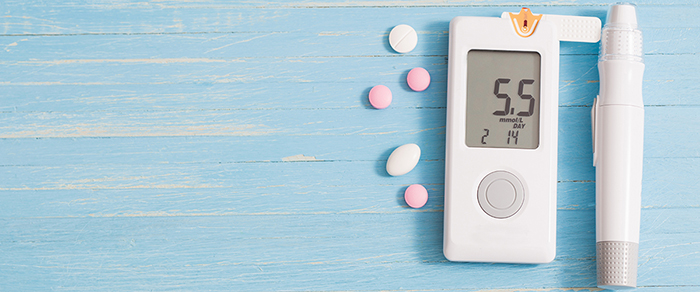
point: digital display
(503, 99)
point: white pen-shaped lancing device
(618, 129)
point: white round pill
(403, 159)
(403, 38)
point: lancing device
(618, 130)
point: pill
(418, 79)
(403, 38)
(380, 96)
(416, 196)
(403, 159)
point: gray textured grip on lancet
(617, 264)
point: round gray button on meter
(501, 194)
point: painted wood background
(206, 145)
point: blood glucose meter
(501, 146)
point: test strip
(573, 28)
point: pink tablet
(380, 96)
(418, 79)
(416, 196)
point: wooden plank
(108, 189)
(283, 70)
(383, 252)
(277, 4)
(357, 134)
(146, 84)
(674, 91)
(23, 19)
(678, 91)
(102, 4)
(296, 43)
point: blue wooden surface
(207, 145)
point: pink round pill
(380, 96)
(416, 196)
(418, 79)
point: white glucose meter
(501, 147)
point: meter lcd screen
(503, 99)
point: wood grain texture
(210, 145)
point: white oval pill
(403, 38)
(403, 159)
